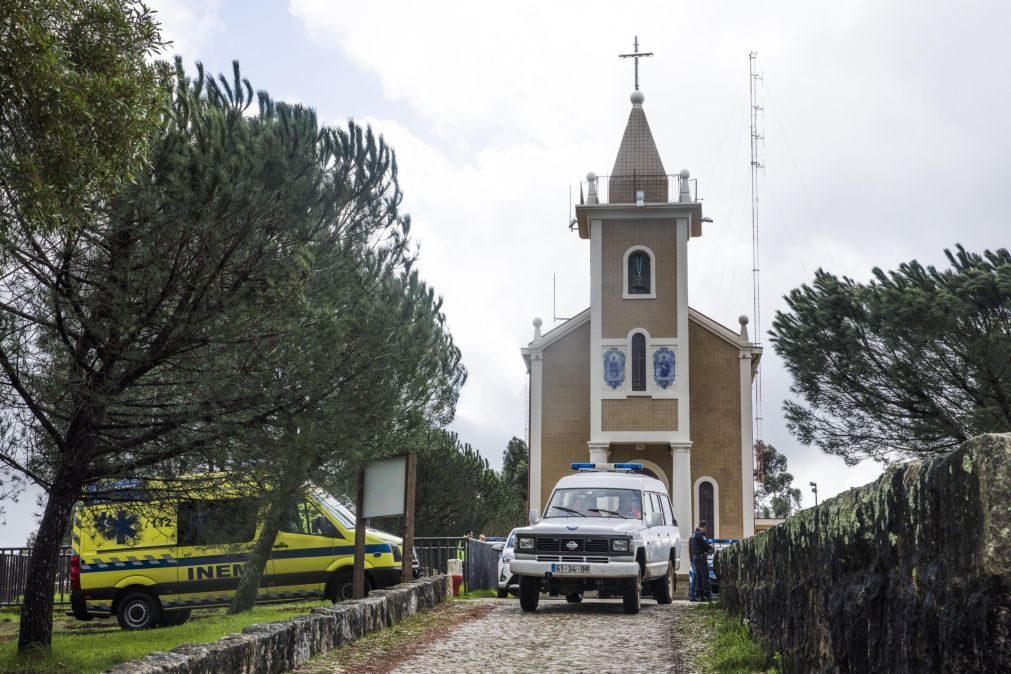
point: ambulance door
(214, 539)
(303, 552)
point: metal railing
(14, 575)
(480, 561)
(624, 189)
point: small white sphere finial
(743, 320)
(538, 322)
(591, 177)
(637, 97)
(537, 328)
(685, 174)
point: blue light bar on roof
(623, 467)
(628, 466)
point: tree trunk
(252, 570)
(37, 610)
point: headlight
(525, 544)
(619, 545)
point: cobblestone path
(595, 636)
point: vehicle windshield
(595, 502)
(335, 508)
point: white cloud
(877, 115)
(188, 24)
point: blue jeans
(701, 589)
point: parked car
(507, 581)
(607, 528)
(714, 581)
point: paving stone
(594, 636)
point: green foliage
(458, 492)
(735, 649)
(910, 364)
(98, 645)
(516, 466)
(79, 101)
(252, 286)
(775, 496)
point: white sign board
(385, 482)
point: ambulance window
(216, 522)
(305, 519)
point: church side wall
(715, 394)
(565, 428)
(657, 316)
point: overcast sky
(886, 139)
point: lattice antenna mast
(754, 80)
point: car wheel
(502, 593)
(631, 594)
(138, 610)
(342, 586)
(530, 593)
(574, 598)
(663, 588)
(173, 618)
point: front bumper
(525, 567)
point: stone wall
(279, 647)
(911, 573)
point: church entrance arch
(651, 469)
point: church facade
(640, 376)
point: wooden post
(358, 576)
(407, 574)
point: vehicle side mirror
(654, 520)
(498, 547)
(534, 517)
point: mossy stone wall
(911, 573)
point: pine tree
(911, 364)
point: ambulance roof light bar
(609, 467)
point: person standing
(699, 548)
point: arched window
(707, 505)
(640, 280)
(638, 362)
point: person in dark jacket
(699, 548)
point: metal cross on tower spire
(636, 55)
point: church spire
(638, 167)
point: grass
(477, 594)
(97, 645)
(735, 648)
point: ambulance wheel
(574, 598)
(342, 586)
(138, 610)
(663, 589)
(530, 592)
(631, 594)
(173, 618)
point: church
(640, 376)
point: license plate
(570, 568)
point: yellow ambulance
(150, 562)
